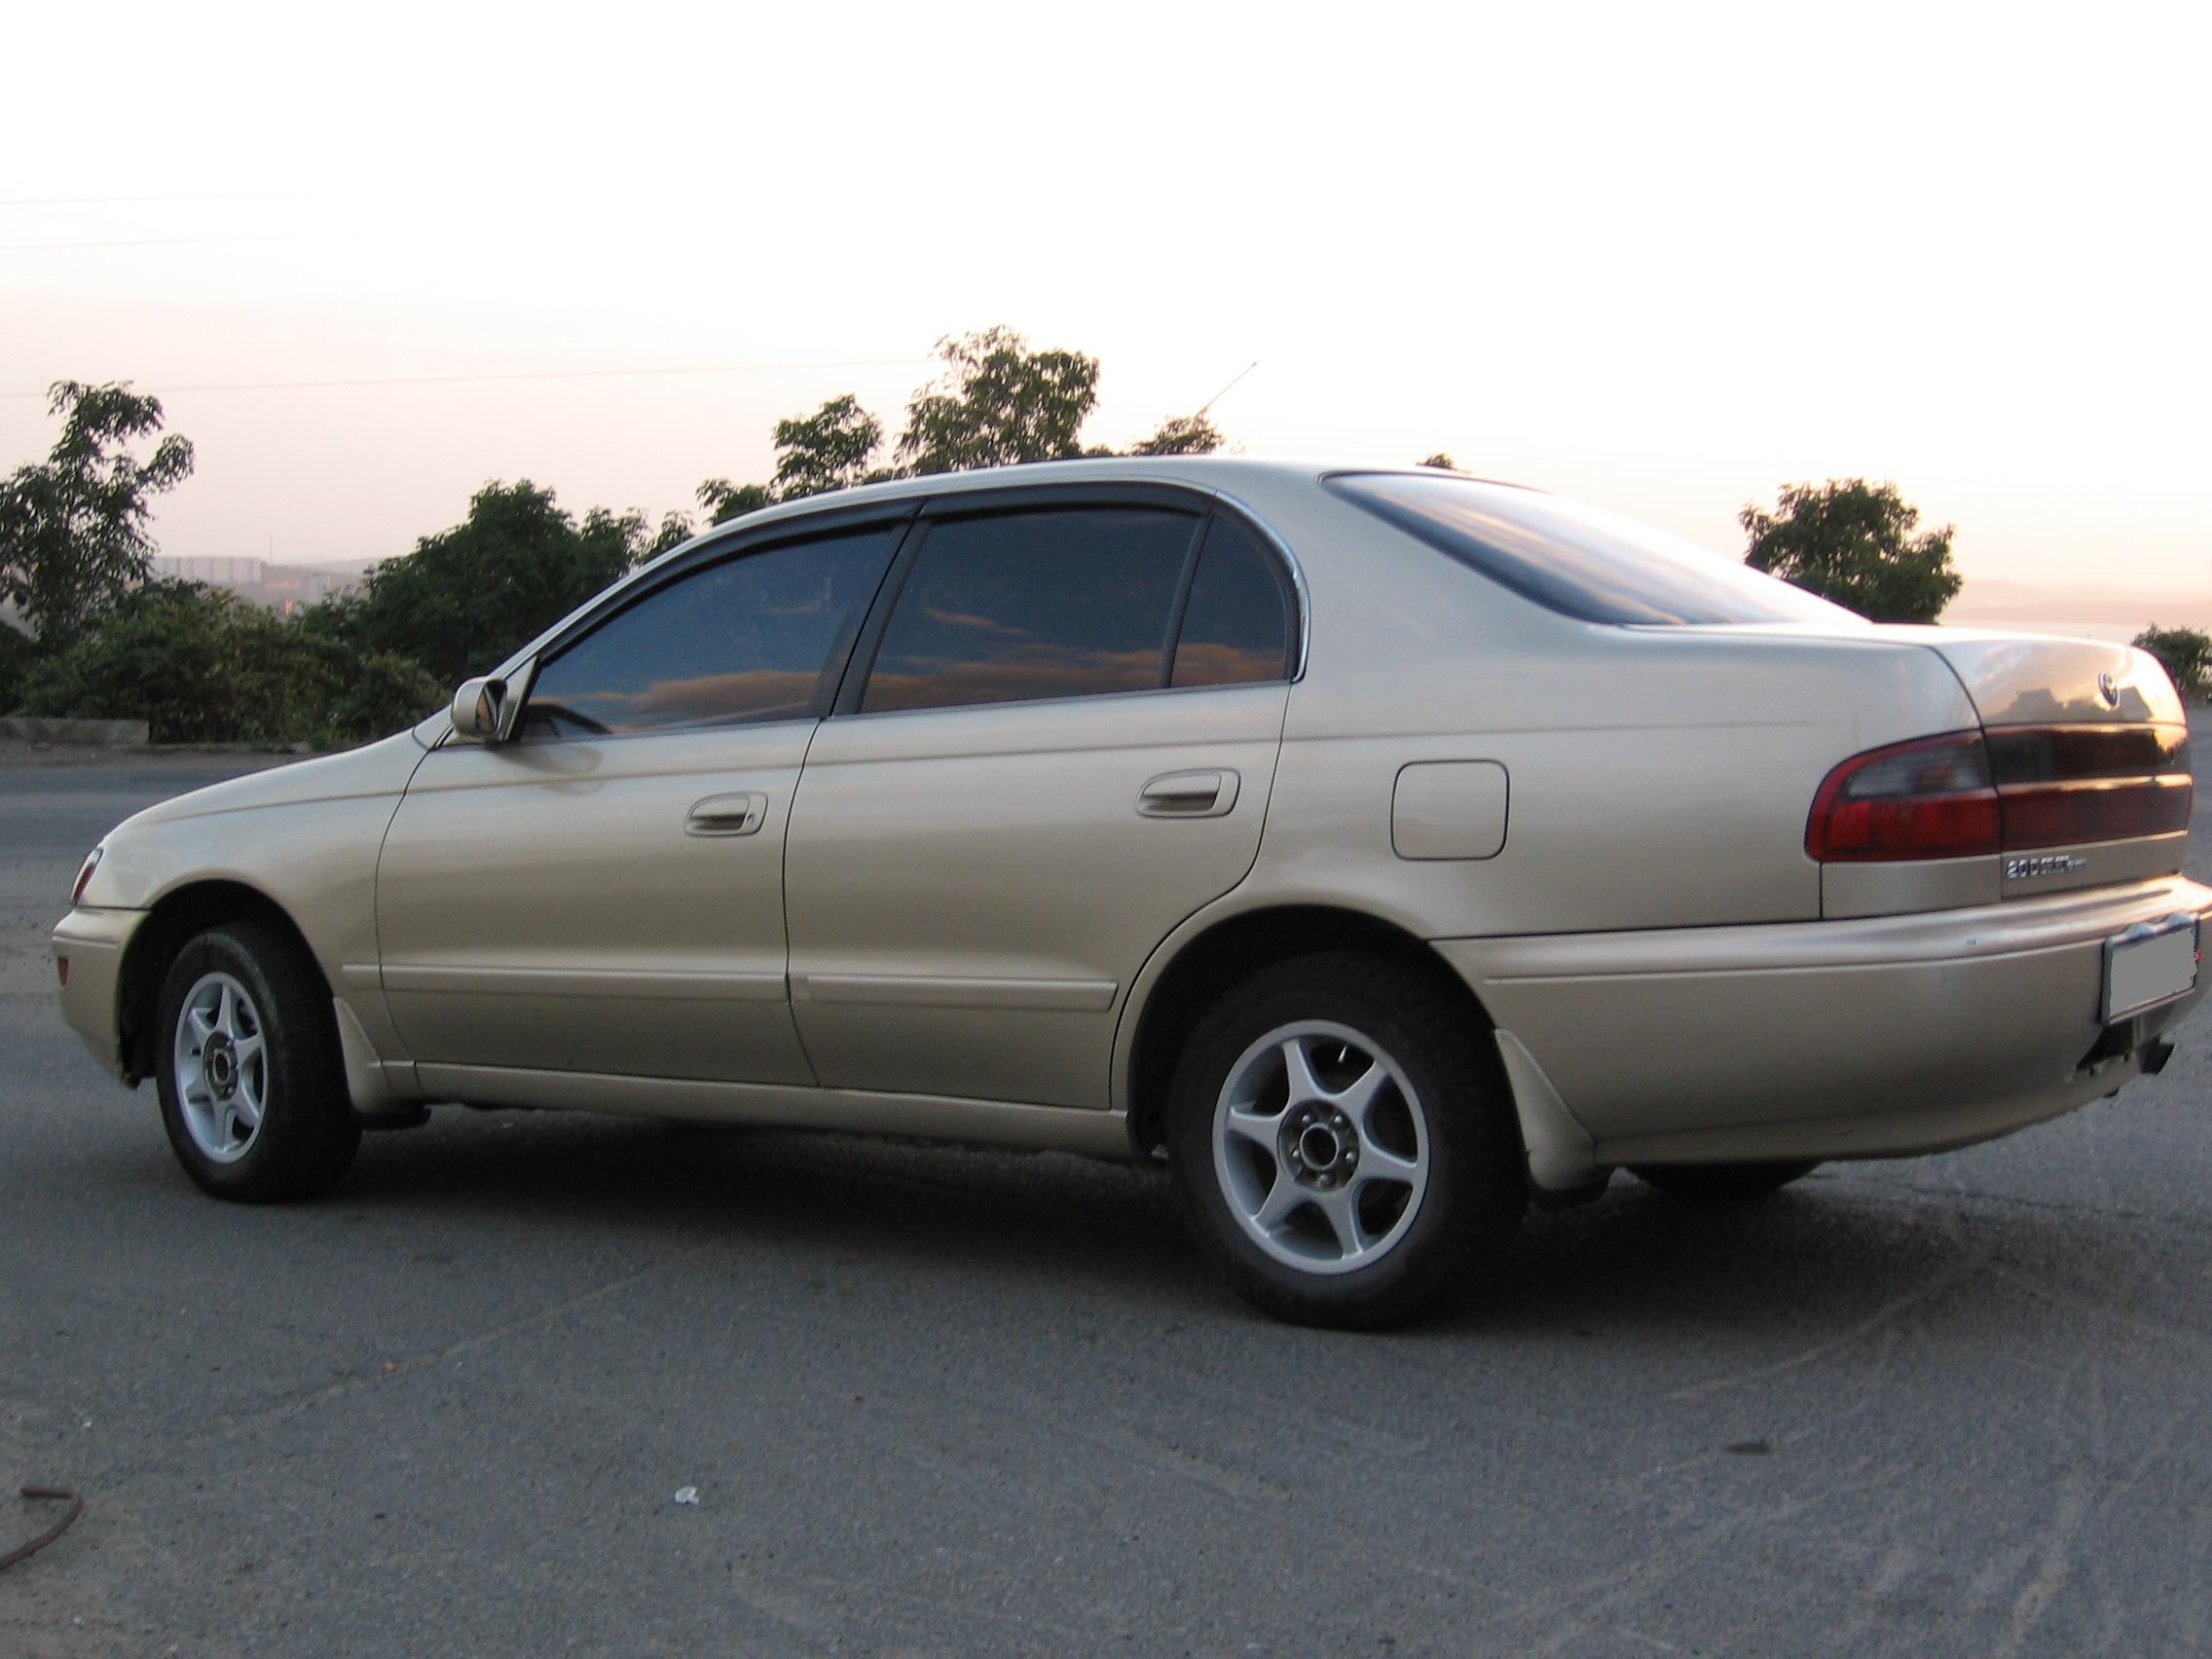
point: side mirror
(479, 709)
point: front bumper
(92, 942)
(1871, 1038)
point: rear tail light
(85, 875)
(2018, 787)
(1930, 800)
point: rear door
(1057, 742)
(606, 893)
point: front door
(606, 893)
(1061, 746)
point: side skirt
(1057, 1128)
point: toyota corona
(1381, 849)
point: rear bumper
(93, 943)
(1871, 1038)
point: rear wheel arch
(175, 919)
(1207, 967)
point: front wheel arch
(176, 918)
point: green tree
(997, 403)
(1181, 434)
(673, 532)
(1853, 542)
(724, 500)
(1441, 462)
(2185, 653)
(468, 596)
(73, 536)
(16, 654)
(828, 449)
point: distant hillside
(2100, 613)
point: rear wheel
(1342, 1147)
(1720, 1183)
(252, 1094)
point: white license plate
(2149, 964)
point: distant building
(281, 588)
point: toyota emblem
(2108, 690)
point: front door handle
(727, 814)
(1189, 794)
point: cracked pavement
(948, 1401)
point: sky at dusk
(1661, 258)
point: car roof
(1206, 471)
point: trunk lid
(2027, 679)
(2088, 749)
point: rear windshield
(1579, 560)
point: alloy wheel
(1321, 1147)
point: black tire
(1720, 1183)
(306, 1132)
(1476, 1184)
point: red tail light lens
(2058, 815)
(85, 875)
(1929, 799)
(1960, 794)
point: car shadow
(1831, 1249)
(1837, 1250)
(1025, 1215)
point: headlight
(85, 875)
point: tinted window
(1237, 627)
(746, 639)
(1061, 603)
(1583, 561)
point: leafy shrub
(378, 693)
(203, 666)
(17, 651)
(197, 664)
(2185, 653)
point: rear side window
(1050, 602)
(1237, 626)
(749, 638)
(1578, 560)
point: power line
(119, 201)
(139, 241)
(521, 375)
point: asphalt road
(949, 1402)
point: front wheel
(1342, 1145)
(252, 1093)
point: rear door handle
(1189, 794)
(727, 814)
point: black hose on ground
(60, 1495)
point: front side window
(746, 639)
(1011, 607)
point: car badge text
(2050, 864)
